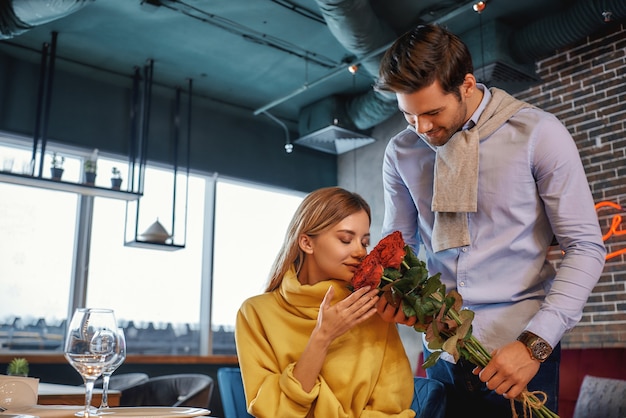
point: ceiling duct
(325, 126)
(493, 63)
(509, 64)
(546, 35)
(357, 27)
(19, 16)
(332, 125)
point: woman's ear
(305, 243)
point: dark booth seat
(123, 381)
(185, 389)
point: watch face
(541, 350)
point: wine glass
(90, 347)
(120, 350)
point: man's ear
(469, 85)
(305, 243)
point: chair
(123, 381)
(601, 397)
(184, 389)
(231, 391)
(429, 398)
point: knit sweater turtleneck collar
(306, 299)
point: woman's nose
(361, 252)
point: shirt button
(464, 249)
(462, 284)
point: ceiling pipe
(546, 35)
(346, 23)
(19, 16)
(528, 44)
(356, 26)
(306, 86)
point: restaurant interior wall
(584, 86)
(95, 112)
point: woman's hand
(332, 322)
(341, 317)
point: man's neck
(474, 101)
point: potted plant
(56, 170)
(18, 367)
(116, 178)
(90, 167)
(90, 172)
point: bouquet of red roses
(403, 280)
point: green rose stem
(479, 356)
(387, 279)
(424, 297)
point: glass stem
(88, 395)
(105, 390)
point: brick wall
(585, 87)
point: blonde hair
(319, 211)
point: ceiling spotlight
(479, 7)
(353, 69)
(607, 16)
(288, 148)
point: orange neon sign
(613, 229)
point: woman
(308, 346)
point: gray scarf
(455, 188)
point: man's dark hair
(421, 56)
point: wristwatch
(538, 348)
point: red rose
(390, 250)
(369, 273)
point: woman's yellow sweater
(366, 372)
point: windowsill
(65, 186)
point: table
(70, 411)
(55, 394)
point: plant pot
(90, 178)
(116, 183)
(56, 173)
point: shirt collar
(473, 120)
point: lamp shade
(156, 233)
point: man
(484, 182)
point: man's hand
(510, 369)
(390, 313)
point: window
(155, 294)
(38, 228)
(170, 302)
(250, 225)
